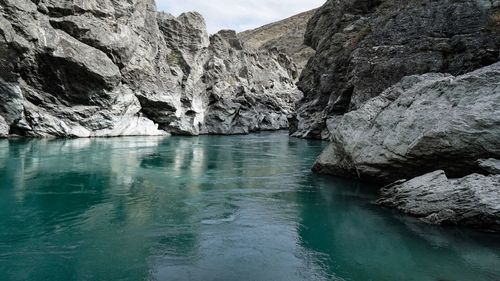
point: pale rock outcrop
(422, 124)
(248, 91)
(85, 68)
(365, 46)
(470, 201)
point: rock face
(107, 68)
(471, 201)
(286, 35)
(245, 91)
(422, 124)
(365, 46)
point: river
(211, 208)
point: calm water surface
(210, 208)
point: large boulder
(422, 124)
(86, 68)
(365, 46)
(471, 201)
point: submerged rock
(471, 201)
(109, 68)
(422, 124)
(365, 46)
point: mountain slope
(286, 35)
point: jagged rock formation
(286, 35)
(422, 124)
(86, 68)
(365, 46)
(471, 201)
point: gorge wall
(365, 46)
(85, 68)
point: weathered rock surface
(108, 68)
(422, 124)
(471, 201)
(286, 35)
(365, 46)
(4, 128)
(491, 165)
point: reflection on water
(210, 208)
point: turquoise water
(210, 208)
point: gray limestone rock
(365, 46)
(472, 201)
(422, 124)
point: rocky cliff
(286, 35)
(365, 46)
(84, 68)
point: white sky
(238, 14)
